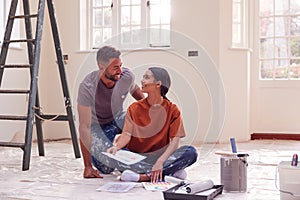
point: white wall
(195, 88)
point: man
(100, 108)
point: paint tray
(174, 193)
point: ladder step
(14, 91)
(23, 16)
(12, 144)
(10, 117)
(15, 66)
(22, 40)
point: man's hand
(90, 172)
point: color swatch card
(159, 186)
(126, 157)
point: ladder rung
(14, 91)
(10, 117)
(12, 144)
(23, 16)
(22, 40)
(16, 66)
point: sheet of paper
(159, 186)
(117, 187)
(126, 157)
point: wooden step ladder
(34, 48)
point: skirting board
(274, 136)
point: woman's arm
(157, 169)
(119, 142)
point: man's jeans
(102, 139)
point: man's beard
(111, 77)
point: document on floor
(159, 186)
(126, 157)
(117, 187)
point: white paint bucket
(289, 181)
(234, 173)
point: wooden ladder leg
(63, 77)
(28, 27)
(33, 86)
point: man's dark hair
(106, 53)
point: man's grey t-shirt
(105, 103)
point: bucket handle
(283, 191)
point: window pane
(125, 2)
(266, 69)
(165, 35)
(166, 14)
(266, 7)
(295, 47)
(281, 48)
(236, 15)
(236, 30)
(294, 7)
(154, 16)
(154, 35)
(136, 35)
(295, 25)
(97, 38)
(125, 15)
(281, 69)
(266, 48)
(281, 26)
(136, 15)
(97, 17)
(126, 39)
(97, 3)
(282, 7)
(136, 2)
(107, 17)
(107, 2)
(266, 27)
(295, 68)
(106, 34)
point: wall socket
(192, 53)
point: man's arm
(84, 114)
(137, 94)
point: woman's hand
(113, 150)
(156, 173)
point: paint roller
(199, 186)
(192, 188)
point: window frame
(273, 37)
(242, 23)
(86, 26)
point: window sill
(232, 48)
(279, 83)
(128, 49)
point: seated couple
(153, 127)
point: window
(239, 24)
(4, 10)
(126, 23)
(279, 39)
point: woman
(153, 127)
